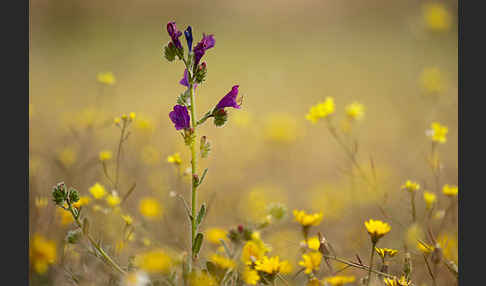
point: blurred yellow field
(337, 161)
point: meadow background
(286, 56)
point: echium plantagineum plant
(184, 115)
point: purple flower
(205, 44)
(229, 100)
(180, 117)
(185, 80)
(188, 35)
(174, 34)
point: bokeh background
(397, 58)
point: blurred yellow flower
(64, 216)
(98, 191)
(113, 199)
(450, 191)
(67, 156)
(214, 234)
(144, 124)
(311, 261)
(150, 155)
(410, 186)
(252, 251)
(430, 199)
(222, 261)
(431, 80)
(413, 234)
(355, 111)
(396, 282)
(154, 261)
(321, 110)
(280, 127)
(42, 253)
(202, 279)
(106, 78)
(175, 158)
(83, 200)
(41, 202)
(307, 219)
(437, 17)
(150, 208)
(137, 278)
(132, 115)
(312, 243)
(105, 155)
(386, 252)
(241, 118)
(272, 265)
(250, 276)
(339, 280)
(424, 247)
(438, 132)
(448, 244)
(116, 120)
(127, 219)
(313, 282)
(377, 229)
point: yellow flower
(339, 280)
(222, 261)
(437, 17)
(116, 120)
(127, 219)
(138, 278)
(106, 78)
(252, 251)
(312, 243)
(83, 200)
(154, 261)
(41, 202)
(384, 252)
(42, 253)
(396, 282)
(105, 155)
(132, 115)
(355, 111)
(214, 234)
(311, 261)
(175, 158)
(438, 132)
(431, 80)
(321, 110)
(307, 219)
(313, 282)
(98, 191)
(272, 265)
(113, 199)
(448, 244)
(65, 217)
(450, 191)
(202, 279)
(377, 229)
(430, 199)
(150, 155)
(150, 208)
(410, 186)
(67, 157)
(250, 276)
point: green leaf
(202, 177)
(201, 214)
(196, 247)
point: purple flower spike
(229, 100)
(174, 34)
(180, 117)
(185, 80)
(205, 44)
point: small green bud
(200, 74)
(278, 211)
(205, 147)
(73, 195)
(220, 117)
(59, 194)
(170, 52)
(73, 236)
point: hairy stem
(118, 154)
(371, 263)
(193, 164)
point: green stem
(414, 214)
(193, 163)
(100, 250)
(371, 262)
(118, 154)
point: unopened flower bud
(220, 117)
